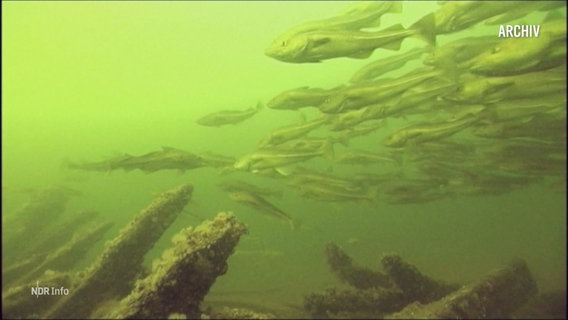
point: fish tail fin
(425, 29)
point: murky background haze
(87, 80)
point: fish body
(367, 158)
(458, 51)
(513, 56)
(299, 98)
(363, 15)
(315, 46)
(238, 185)
(271, 158)
(359, 95)
(225, 117)
(260, 204)
(167, 158)
(382, 66)
(290, 132)
(458, 15)
(427, 132)
(481, 90)
(334, 193)
(523, 9)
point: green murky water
(84, 81)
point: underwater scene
(283, 159)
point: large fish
(167, 158)
(365, 14)
(315, 46)
(257, 202)
(228, 117)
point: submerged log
(495, 297)
(182, 277)
(26, 225)
(343, 267)
(67, 256)
(415, 285)
(358, 304)
(60, 234)
(115, 270)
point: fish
(513, 56)
(365, 14)
(346, 120)
(541, 126)
(524, 108)
(302, 176)
(455, 53)
(360, 130)
(480, 90)
(385, 65)
(224, 164)
(275, 158)
(523, 9)
(300, 97)
(359, 157)
(167, 158)
(418, 98)
(315, 46)
(359, 95)
(327, 192)
(239, 185)
(225, 117)
(459, 15)
(427, 131)
(260, 204)
(290, 132)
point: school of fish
(479, 115)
